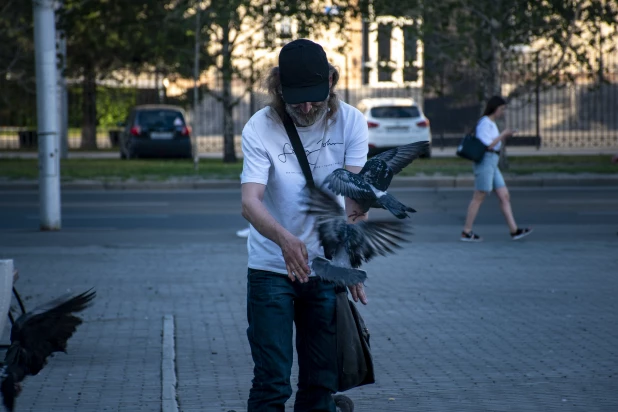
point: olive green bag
(354, 361)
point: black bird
(368, 188)
(35, 336)
(348, 245)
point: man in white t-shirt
(281, 290)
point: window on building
(385, 73)
(365, 70)
(410, 72)
(285, 32)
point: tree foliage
(483, 36)
(17, 78)
(108, 37)
(240, 34)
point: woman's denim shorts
(487, 176)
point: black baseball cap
(303, 69)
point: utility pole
(196, 76)
(47, 113)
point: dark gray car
(156, 131)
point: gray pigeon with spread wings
(347, 245)
(35, 336)
(368, 187)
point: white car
(394, 122)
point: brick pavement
(496, 326)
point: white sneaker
(243, 232)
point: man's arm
(352, 210)
(293, 249)
(355, 214)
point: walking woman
(487, 176)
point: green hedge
(113, 105)
(18, 108)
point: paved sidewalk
(496, 326)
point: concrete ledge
(464, 181)
(436, 182)
(217, 184)
(424, 182)
(580, 181)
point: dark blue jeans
(273, 304)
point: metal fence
(579, 113)
(574, 109)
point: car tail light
(136, 130)
(423, 123)
(372, 125)
(186, 130)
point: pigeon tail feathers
(324, 269)
(388, 201)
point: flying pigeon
(368, 188)
(347, 245)
(35, 336)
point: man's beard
(307, 119)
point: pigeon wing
(374, 237)
(35, 336)
(330, 218)
(400, 157)
(48, 328)
(343, 182)
(323, 205)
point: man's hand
(358, 292)
(296, 257)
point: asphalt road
(215, 214)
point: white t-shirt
(270, 160)
(487, 131)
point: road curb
(426, 182)
(168, 367)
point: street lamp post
(47, 113)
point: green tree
(105, 37)
(17, 78)
(239, 33)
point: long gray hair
(275, 97)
